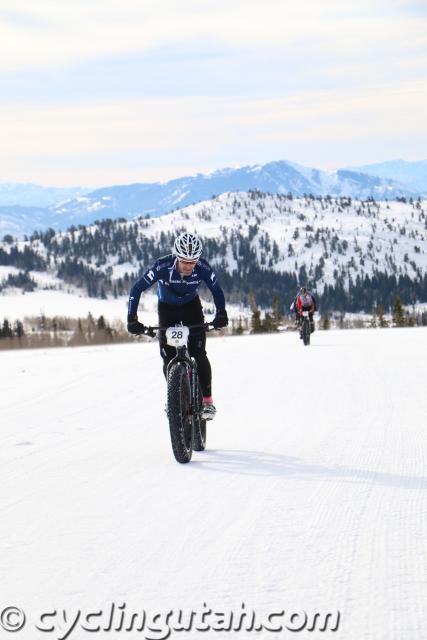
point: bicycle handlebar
(150, 331)
(190, 326)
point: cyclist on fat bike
(178, 275)
(304, 301)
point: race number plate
(177, 336)
(305, 314)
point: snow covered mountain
(26, 207)
(17, 220)
(274, 177)
(154, 199)
(353, 253)
(34, 195)
(412, 174)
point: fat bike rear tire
(179, 413)
(306, 333)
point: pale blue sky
(99, 92)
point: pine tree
(410, 320)
(277, 311)
(373, 322)
(382, 322)
(6, 329)
(256, 321)
(256, 326)
(18, 329)
(398, 317)
(238, 330)
(325, 322)
(268, 325)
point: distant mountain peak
(278, 176)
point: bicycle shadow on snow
(257, 463)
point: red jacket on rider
(305, 302)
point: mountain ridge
(158, 198)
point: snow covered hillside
(354, 254)
(350, 237)
(310, 496)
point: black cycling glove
(221, 319)
(135, 327)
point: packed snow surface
(311, 495)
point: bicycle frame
(182, 355)
(187, 428)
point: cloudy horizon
(103, 92)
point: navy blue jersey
(172, 287)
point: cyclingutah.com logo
(160, 625)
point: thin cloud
(92, 87)
(86, 31)
(194, 129)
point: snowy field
(75, 304)
(17, 305)
(311, 495)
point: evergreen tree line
(21, 281)
(43, 332)
(274, 320)
(399, 318)
(81, 256)
(28, 259)
(361, 294)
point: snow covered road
(311, 494)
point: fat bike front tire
(179, 413)
(199, 433)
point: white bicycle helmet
(188, 246)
